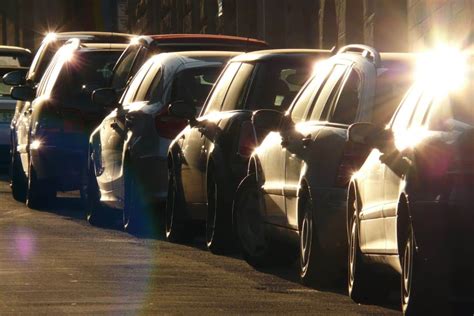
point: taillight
(353, 157)
(247, 139)
(168, 126)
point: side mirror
(15, 78)
(183, 110)
(23, 93)
(369, 134)
(105, 97)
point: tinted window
(122, 69)
(193, 85)
(219, 92)
(452, 112)
(236, 95)
(404, 113)
(322, 107)
(85, 72)
(130, 93)
(348, 102)
(276, 84)
(14, 60)
(306, 96)
(154, 91)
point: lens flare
(442, 69)
(50, 37)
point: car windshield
(276, 84)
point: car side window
(349, 99)
(404, 113)
(131, 92)
(122, 70)
(321, 106)
(238, 87)
(307, 94)
(153, 93)
(219, 92)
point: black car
(209, 158)
(53, 130)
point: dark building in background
(389, 25)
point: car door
(301, 152)
(396, 169)
(194, 156)
(112, 137)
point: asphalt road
(52, 261)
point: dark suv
(209, 158)
(53, 130)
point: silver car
(11, 58)
(128, 166)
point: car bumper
(65, 167)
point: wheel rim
(407, 272)
(306, 238)
(250, 227)
(353, 247)
(211, 213)
(170, 204)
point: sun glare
(442, 69)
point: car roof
(191, 56)
(201, 39)
(270, 54)
(103, 37)
(14, 49)
(102, 46)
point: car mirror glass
(22, 93)
(15, 78)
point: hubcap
(306, 236)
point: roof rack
(367, 52)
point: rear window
(276, 84)
(86, 72)
(14, 60)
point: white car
(127, 161)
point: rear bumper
(64, 167)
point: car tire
(249, 226)
(313, 268)
(175, 228)
(39, 193)
(415, 288)
(219, 219)
(134, 209)
(94, 211)
(19, 182)
(362, 283)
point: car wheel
(176, 229)
(248, 224)
(39, 193)
(311, 256)
(94, 211)
(219, 220)
(19, 181)
(414, 288)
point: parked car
(51, 43)
(208, 159)
(12, 58)
(128, 150)
(410, 204)
(294, 196)
(143, 47)
(53, 130)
